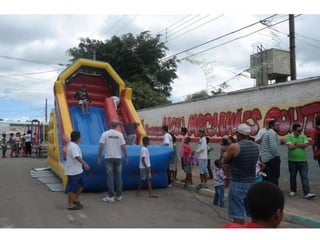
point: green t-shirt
(297, 154)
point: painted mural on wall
(289, 103)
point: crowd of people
(18, 145)
(249, 168)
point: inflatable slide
(102, 82)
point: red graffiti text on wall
(224, 123)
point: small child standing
(174, 159)
(259, 171)
(145, 168)
(12, 143)
(4, 145)
(219, 178)
(187, 168)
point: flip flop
(154, 196)
(75, 207)
(78, 203)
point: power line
(232, 40)
(184, 22)
(217, 38)
(97, 30)
(170, 39)
(27, 60)
(124, 26)
(302, 36)
(115, 24)
(164, 30)
(182, 28)
(299, 36)
(32, 73)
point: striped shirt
(270, 146)
(243, 166)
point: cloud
(219, 45)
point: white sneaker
(119, 198)
(108, 199)
(292, 194)
(309, 196)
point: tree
(196, 95)
(137, 60)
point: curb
(297, 219)
(288, 216)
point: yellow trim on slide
(91, 63)
(53, 150)
(54, 160)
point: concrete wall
(290, 102)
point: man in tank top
(242, 157)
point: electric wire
(197, 27)
(217, 38)
(31, 73)
(115, 24)
(232, 40)
(164, 30)
(184, 22)
(125, 25)
(182, 28)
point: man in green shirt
(297, 161)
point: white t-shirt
(27, 137)
(73, 166)
(116, 101)
(112, 140)
(202, 148)
(167, 140)
(144, 152)
(260, 134)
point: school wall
(290, 102)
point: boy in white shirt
(73, 169)
(145, 168)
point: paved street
(27, 203)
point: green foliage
(220, 88)
(197, 95)
(137, 60)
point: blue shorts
(144, 174)
(237, 194)
(187, 167)
(203, 166)
(75, 182)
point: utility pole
(46, 111)
(293, 71)
(94, 52)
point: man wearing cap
(242, 157)
(202, 152)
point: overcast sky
(33, 45)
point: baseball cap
(243, 129)
(201, 130)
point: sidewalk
(297, 209)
